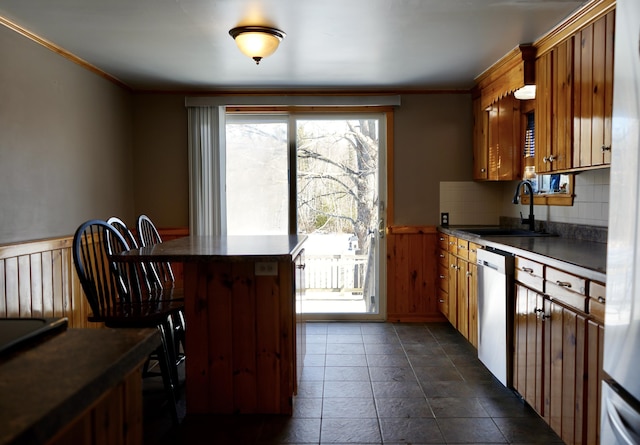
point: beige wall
(432, 144)
(65, 143)
(160, 157)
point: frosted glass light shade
(257, 42)
(527, 92)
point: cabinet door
(593, 93)
(594, 380)
(504, 140)
(472, 293)
(480, 142)
(528, 347)
(562, 114)
(543, 113)
(452, 314)
(564, 362)
(463, 301)
(554, 117)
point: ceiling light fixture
(257, 42)
(527, 92)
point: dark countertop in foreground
(585, 258)
(221, 248)
(45, 387)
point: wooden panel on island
(240, 309)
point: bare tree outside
(337, 168)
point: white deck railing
(335, 273)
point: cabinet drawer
(567, 281)
(530, 273)
(473, 252)
(566, 288)
(443, 302)
(463, 249)
(443, 241)
(530, 267)
(443, 257)
(453, 245)
(443, 277)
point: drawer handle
(473, 250)
(462, 246)
(605, 148)
(442, 277)
(440, 301)
(451, 243)
(564, 284)
(601, 300)
(527, 270)
(441, 239)
(442, 255)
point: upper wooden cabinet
(553, 115)
(574, 99)
(593, 93)
(504, 153)
(497, 151)
(480, 141)
(572, 68)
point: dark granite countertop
(45, 387)
(221, 248)
(584, 258)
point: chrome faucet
(516, 199)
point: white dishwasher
(496, 306)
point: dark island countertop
(584, 258)
(221, 248)
(45, 387)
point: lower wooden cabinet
(528, 346)
(458, 285)
(558, 350)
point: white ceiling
(330, 44)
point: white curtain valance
(293, 100)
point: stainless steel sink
(501, 231)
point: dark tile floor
(375, 383)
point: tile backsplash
(471, 202)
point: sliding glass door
(318, 176)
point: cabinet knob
(552, 158)
(482, 170)
(440, 301)
(462, 246)
(442, 255)
(469, 274)
(601, 300)
(301, 266)
(605, 148)
(545, 159)
(442, 277)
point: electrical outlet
(267, 269)
(444, 219)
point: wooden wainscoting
(411, 274)
(38, 279)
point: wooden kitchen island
(245, 335)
